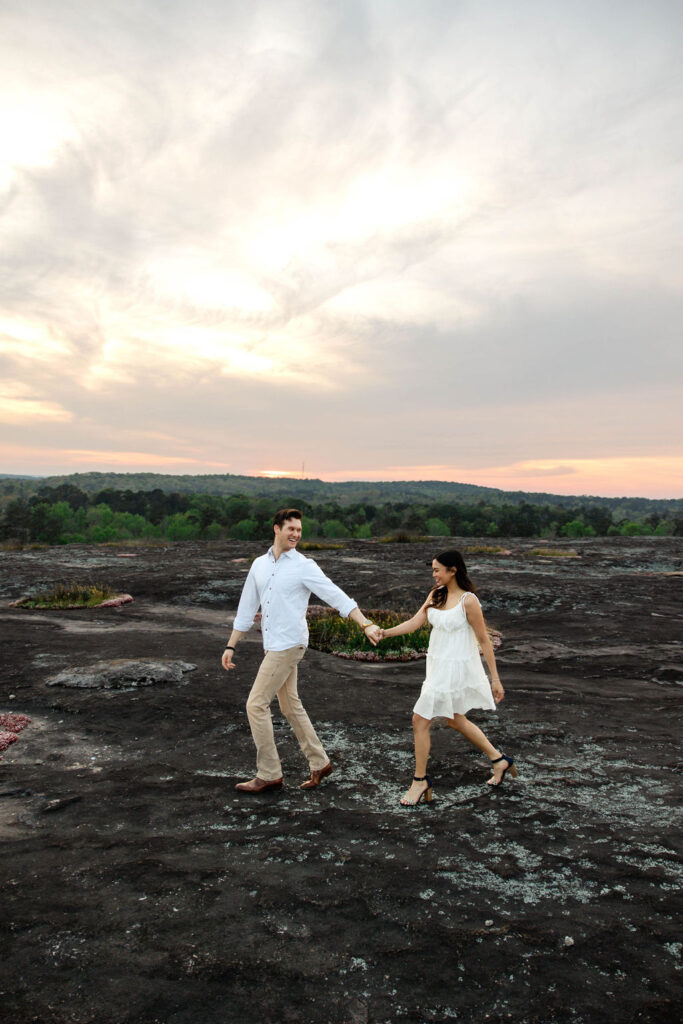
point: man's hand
(226, 660)
(374, 634)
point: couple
(281, 582)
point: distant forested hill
(107, 507)
(344, 494)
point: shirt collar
(285, 554)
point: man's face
(289, 534)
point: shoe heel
(513, 771)
(428, 795)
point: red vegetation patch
(6, 738)
(14, 723)
(10, 725)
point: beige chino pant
(278, 675)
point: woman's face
(440, 574)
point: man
(281, 583)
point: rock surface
(139, 888)
(121, 674)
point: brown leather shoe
(316, 777)
(258, 785)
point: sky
(361, 239)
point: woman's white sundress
(455, 681)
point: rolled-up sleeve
(319, 584)
(249, 604)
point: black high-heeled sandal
(426, 792)
(509, 767)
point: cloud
(20, 404)
(446, 229)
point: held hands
(374, 634)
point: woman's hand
(498, 691)
(373, 634)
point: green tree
(17, 520)
(246, 529)
(310, 528)
(263, 510)
(436, 527)
(101, 524)
(181, 526)
(335, 528)
(599, 518)
(413, 519)
(128, 525)
(49, 523)
(634, 530)
(237, 509)
(75, 497)
(577, 528)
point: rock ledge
(121, 674)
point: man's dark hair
(284, 514)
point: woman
(456, 681)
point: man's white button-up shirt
(282, 588)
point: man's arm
(250, 600)
(323, 587)
(228, 653)
(372, 632)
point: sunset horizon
(582, 478)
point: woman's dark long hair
(451, 560)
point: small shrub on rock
(68, 595)
(329, 633)
(334, 635)
(314, 545)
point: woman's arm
(475, 617)
(410, 625)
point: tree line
(65, 514)
(349, 492)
